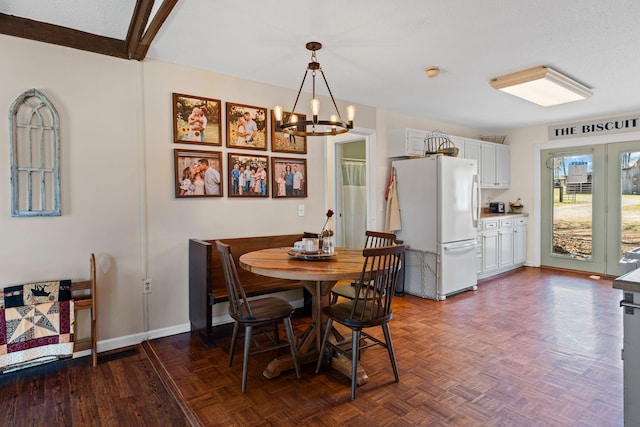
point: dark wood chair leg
(387, 338)
(245, 362)
(355, 351)
(234, 338)
(292, 345)
(323, 346)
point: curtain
(354, 203)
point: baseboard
(128, 340)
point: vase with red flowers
(327, 235)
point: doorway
(590, 206)
(350, 181)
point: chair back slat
(238, 303)
(377, 239)
(376, 286)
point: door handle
(460, 248)
(628, 304)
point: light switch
(300, 210)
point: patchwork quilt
(36, 324)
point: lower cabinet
(503, 244)
(520, 241)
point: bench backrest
(254, 284)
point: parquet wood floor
(533, 347)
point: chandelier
(335, 125)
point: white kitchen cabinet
(490, 245)
(520, 241)
(503, 244)
(506, 242)
(406, 142)
(472, 151)
(493, 159)
(495, 166)
(503, 169)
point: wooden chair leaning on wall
(370, 307)
(375, 239)
(257, 313)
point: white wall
(96, 99)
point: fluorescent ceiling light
(541, 85)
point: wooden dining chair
(375, 239)
(259, 313)
(371, 307)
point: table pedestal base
(340, 363)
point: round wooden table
(318, 277)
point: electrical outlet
(146, 286)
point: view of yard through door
(573, 210)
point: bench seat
(206, 278)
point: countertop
(486, 214)
(629, 281)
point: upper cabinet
(494, 165)
(406, 142)
(493, 159)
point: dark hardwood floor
(534, 347)
(122, 391)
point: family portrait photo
(289, 177)
(248, 175)
(198, 173)
(284, 142)
(196, 120)
(246, 127)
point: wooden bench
(206, 279)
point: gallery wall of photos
(249, 132)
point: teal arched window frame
(35, 156)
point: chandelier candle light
(314, 127)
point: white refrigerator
(439, 200)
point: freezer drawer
(457, 270)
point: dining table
(317, 274)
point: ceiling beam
(61, 36)
(139, 20)
(138, 40)
(135, 46)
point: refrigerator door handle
(475, 200)
(461, 248)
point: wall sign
(621, 124)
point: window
(35, 146)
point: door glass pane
(572, 206)
(629, 201)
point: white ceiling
(375, 51)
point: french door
(590, 209)
(623, 202)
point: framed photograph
(248, 175)
(283, 142)
(246, 127)
(197, 120)
(289, 177)
(198, 173)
